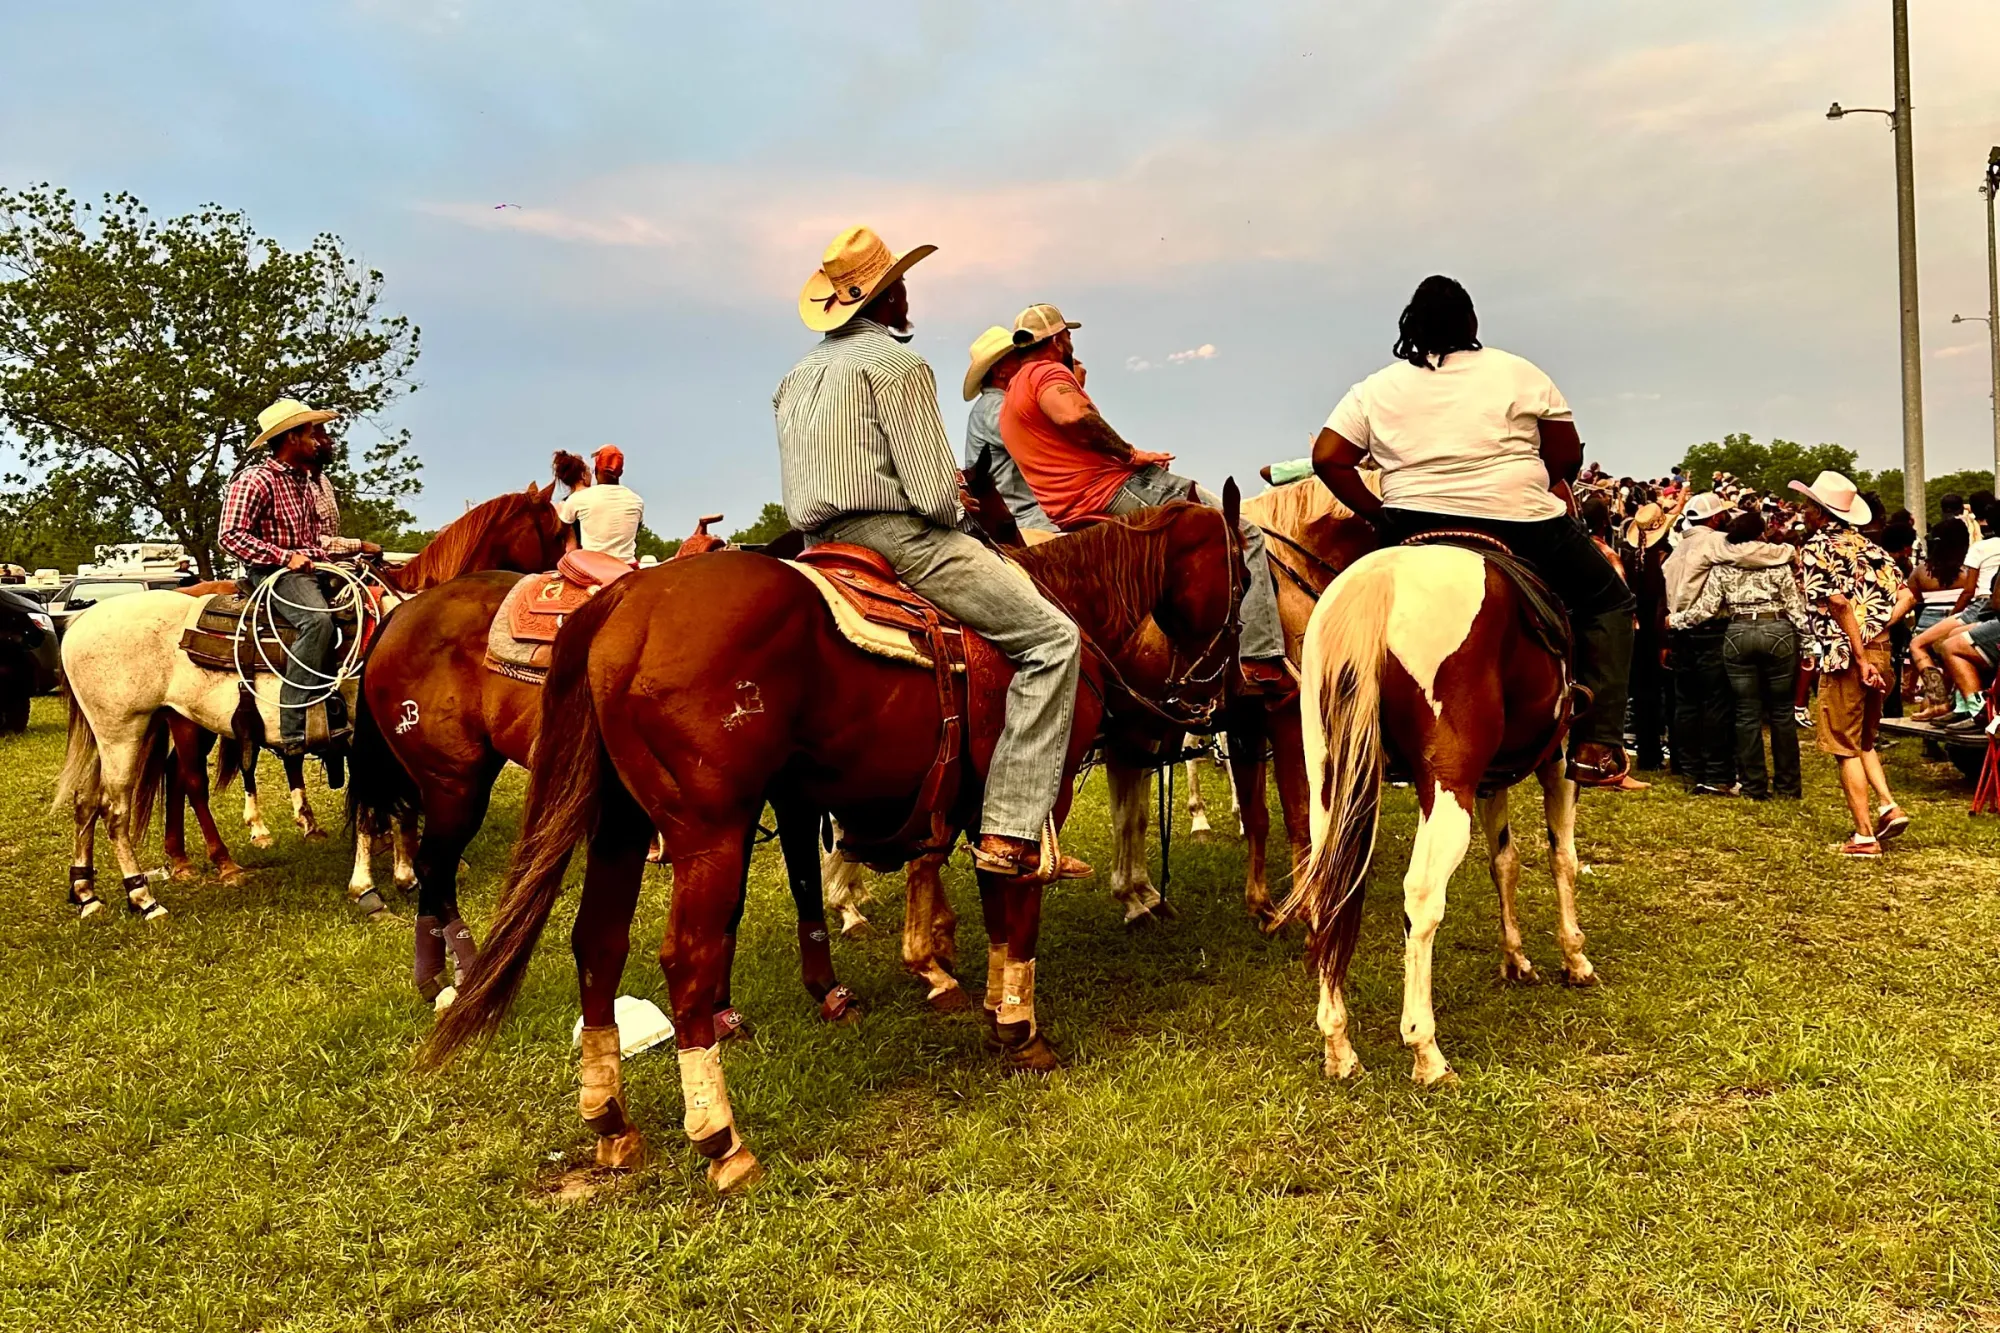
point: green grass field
(1778, 1110)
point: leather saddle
(972, 679)
(540, 603)
(217, 639)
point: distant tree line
(1773, 466)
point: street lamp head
(1958, 319)
(1835, 113)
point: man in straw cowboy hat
(1081, 469)
(865, 460)
(1850, 587)
(273, 522)
(994, 365)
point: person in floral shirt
(1850, 590)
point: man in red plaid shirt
(271, 522)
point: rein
(1325, 566)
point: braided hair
(1438, 321)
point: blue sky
(1644, 198)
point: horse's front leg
(253, 813)
(1198, 825)
(1131, 882)
(302, 811)
(1559, 805)
(1444, 833)
(1245, 769)
(1504, 860)
(1013, 911)
(798, 829)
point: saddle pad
(510, 655)
(881, 640)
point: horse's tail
(82, 770)
(379, 788)
(569, 771)
(1341, 715)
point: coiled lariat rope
(262, 621)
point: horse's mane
(450, 553)
(1108, 577)
(1291, 507)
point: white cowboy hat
(1836, 494)
(1039, 323)
(287, 414)
(855, 267)
(1706, 506)
(987, 350)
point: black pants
(1652, 702)
(1599, 604)
(1704, 730)
(1761, 658)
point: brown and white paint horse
(1421, 653)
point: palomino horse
(1423, 654)
(685, 697)
(131, 686)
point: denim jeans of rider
(966, 580)
(299, 603)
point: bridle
(1203, 676)
(1325, 566)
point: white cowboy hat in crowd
(1039, 323)
(287, 414)
(1706, 506)
(987, 350)
(1836, 494)
(854, 269)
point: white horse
(129, 679)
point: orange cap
(609, 458)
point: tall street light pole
(1990, 189)
(1906, 268)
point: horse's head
(1202, 598)
(518, 531)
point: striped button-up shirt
(270, 511)
(859, 433)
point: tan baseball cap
(1039, 323)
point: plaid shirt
(270, 511)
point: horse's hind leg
(930, 934)
(1244, 766)
(798, 838)
(1444, 832)
(600, 941)
(708, 888)
(1198, 825)
(1341, 1061)
(453, 812)
(846, 891)
(1131, 881)
(82, 861)
(1019, 1036)
(1504, 859)
(1559, 804)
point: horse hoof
(1165, 910)
(230, 873)
(1033, 1056)
(1139, 918)
(262, 840)
(1521, 973)
(444, 999)
(180, 871)
(1444, 1080)
(371, 905)
(622, 1152)
(735, 1173)
(732, 1026)
(841, 1005)
(1344, 1067)
(948, 1000)
(405, 884)
(1580, 979)
(86, 910)
(857, 929)
(314, 834)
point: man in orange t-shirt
(1081, 469)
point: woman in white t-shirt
(1471, 437)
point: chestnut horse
(1421, 653)
(686, 697)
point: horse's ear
(542, 493)
(1232, 507)
(534, 488)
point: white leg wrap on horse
(707, 1099)
(996, 974)
(598, 1098)
(1017, 994)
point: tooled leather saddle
(219, 641)
(972, 679)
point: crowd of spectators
(1751, 605)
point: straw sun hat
(987, 350)
(1647, 528)
(286, 414)
(854, 269)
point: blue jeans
(1263, 637)
(305, 610)
(968, 581)
(1761, 659)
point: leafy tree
(770, 525)
(59, 523)
(136, 353)
(1889, 485)
(1768, 467)
(653, 544)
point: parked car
(27, 657)
(87, 590)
